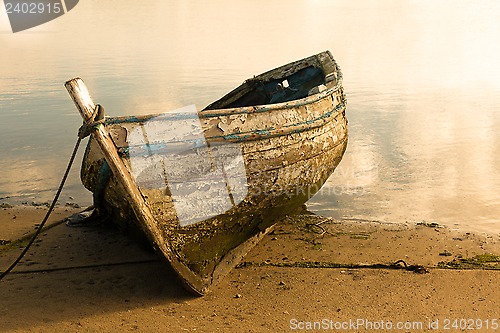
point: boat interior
(257, 91)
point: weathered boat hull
(283, 151)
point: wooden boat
(204, 197)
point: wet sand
(310, 269)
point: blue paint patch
(103, 178)
(163, 148)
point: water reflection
(435, 159)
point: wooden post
(80, 95)
(78, 91)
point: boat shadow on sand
(91, 270)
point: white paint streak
(171, 154)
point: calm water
(422, 79)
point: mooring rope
(83, 132)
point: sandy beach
(311, 274)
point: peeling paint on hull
(289, 150)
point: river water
(422, 80)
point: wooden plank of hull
(294, 149)
(297, 181)
(272, 194)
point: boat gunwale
(269, 132)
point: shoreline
(20, 221)
(97, 279)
